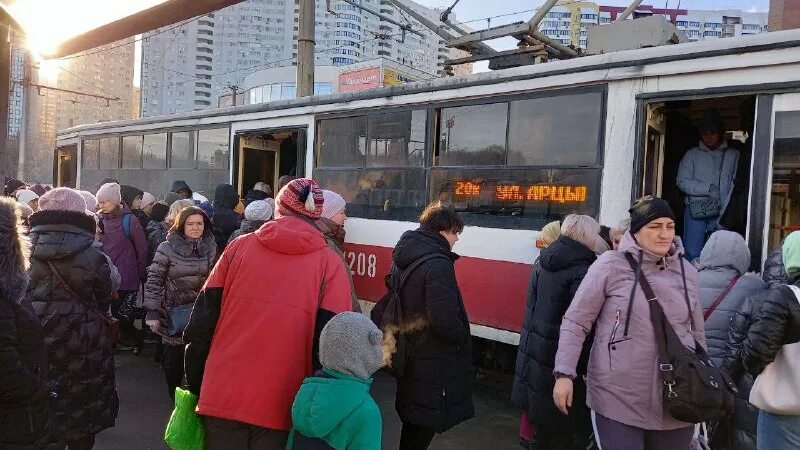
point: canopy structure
(165, 13)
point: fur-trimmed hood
(14, 252)
(61, 234)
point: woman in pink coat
(624, 386)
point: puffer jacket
(128, 252)
(248, 226)
(156, 234)
(739, 431)
(774, 273)
(177, 274)
(777, 323)
(556, 276)
(724, 258)
(435, 391)
(623, 380)
(225, 219)
(79, 350)
(23, 364)
(699, 169)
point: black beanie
(159, 212)
(647, 210)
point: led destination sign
(466, 190)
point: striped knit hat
(301, 197)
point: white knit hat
(109, 192)
(91, 200)
(147, 199)
(24, 196)
(333, 203)
(260, 209)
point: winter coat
(248, 226)
(777, 323)
(253, 331)
(724, 257)
(128, 252)
(79, 349)
(177, 274)
(556, 277)
(326, 227)
(156, 234)
(623, 380)
(435, 390)
(334, 410)
(774, 273)
(225, 219)
(23, 363)
(699, 170)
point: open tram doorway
(65, 169)
(267, 155)
(671, 130)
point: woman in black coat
(556, 276)
(70, 289)
(23, 367)
(224, 218)
(434, 393)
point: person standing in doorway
(706, 176)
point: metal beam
(535, 37)
(403, 26)
(440, 28)
(541, 13)
(502, 54)
(167, 13)
(630, 9)
(514, 29)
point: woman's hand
(562, 394)
(154, 325)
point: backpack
(126, 225)
(388, 315)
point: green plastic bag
(185, 430)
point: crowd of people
(252, 308)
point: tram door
(66, 167)
(265, 156)
(783, 200)
(653, 158)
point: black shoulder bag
(694, 390)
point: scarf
(332, 230)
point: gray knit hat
(351, 344)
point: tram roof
(616, 60)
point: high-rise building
(568, 22)
(784, 14)
(190, 66)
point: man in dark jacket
(224, 218)
(182, 189)
(434, 393)
(23, 366)
(557, 275)
(132, 197)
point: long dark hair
(179, 224)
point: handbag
(777, 388)
(112, 323)
(179, 319)
(694, 390)
(708, 206)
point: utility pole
(24, 130)
(305, 48)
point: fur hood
(14, 252)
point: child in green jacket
(333, 409)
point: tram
(511, 150)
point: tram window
(213, 150)
(89, 154)
(154, 152)
(391, 194)
(132, 152)
(182, 151)
(342, 142)
(109, 153)
(785, 199)
(473, 135)
(397, 139)
(559, 130)
(517, 198)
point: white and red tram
(512, 150)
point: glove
(154, 325)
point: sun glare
(47, 23)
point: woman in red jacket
(264, 305)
